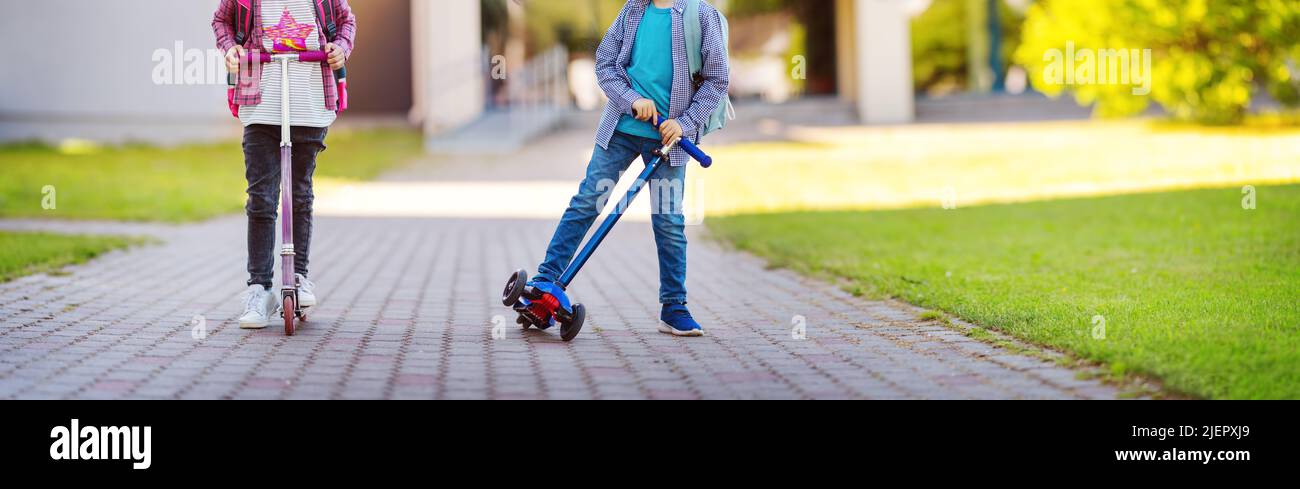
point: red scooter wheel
(289, 314)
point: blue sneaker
(676, 320)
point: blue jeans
(667, 219)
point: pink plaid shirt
(250, 93)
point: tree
(1208, 57)
(940, 42)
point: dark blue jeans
(666, 188)
(262, 170)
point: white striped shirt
(306, 89)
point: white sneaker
(259, 305)
(306, 291)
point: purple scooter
(290, 308)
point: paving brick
(407, 307)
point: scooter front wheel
(514, 288)
(290, 308)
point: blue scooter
(546, 303)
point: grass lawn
(139, 183)
(921, 165)
(27, 253)
(1193, 289)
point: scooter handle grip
(313, 56)
(691, 149)
(303, 56)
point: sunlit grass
(27, 253)
(1194, 289)
(918, 166)
(140, 183)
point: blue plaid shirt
(690, 109)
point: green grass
(28, 253)
(1194, 290)
(873, 167)
(187, 183)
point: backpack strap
(244, 15)
(243, 21)
(694, 36)
(325, 17)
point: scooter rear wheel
(290, 313)
(569, 330)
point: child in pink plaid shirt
(314, 100)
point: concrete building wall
(149, 70)
(76, 68)
(448, 62)
(875, 56)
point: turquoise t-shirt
(651, 69)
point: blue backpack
(694, 54)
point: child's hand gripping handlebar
(691, 149)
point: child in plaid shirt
(314, 100)
(642, 66)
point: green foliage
(1209, 57)
(939, 43)
(577, 24)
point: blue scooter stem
(617, 213)
(610, 221)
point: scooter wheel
(570, 329)
(523, 322)
(289, 314)
(514, 288)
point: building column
(846, 50)
(448, 63)
(883, 61)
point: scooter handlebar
(691, 149)
(265, 57)
(303, 56)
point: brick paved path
(407, 311)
